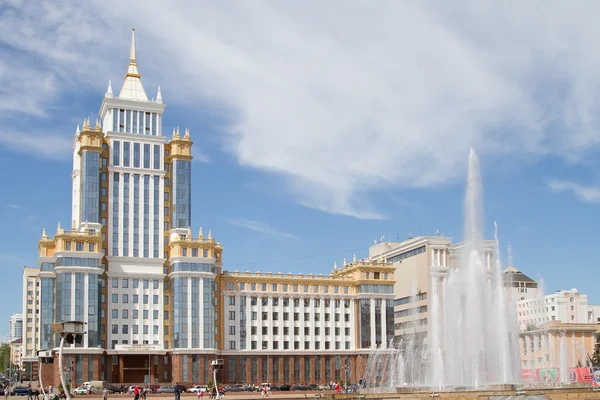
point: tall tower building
(129, 266)
(16, 327)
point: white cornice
(136, 105)
(195, 260)
(140, 171)
(153, 262)
(90, 270)
(194, 274)
(136, 136)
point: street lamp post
(44, 357)
(216, 364)
(70, 332)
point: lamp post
(44, 357)
(70, 332)
(216, 364)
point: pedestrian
(105, 394)
(177, 391)
(136, 393)
(6, 392)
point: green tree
(4, 357)
(596, 354)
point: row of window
(133, 156)
(409, 299)
(135, 314)
(79, 246)
(286, 345)
(284, 287)
(407, 254)
(135, 299)
(410, 311)
(296, 316)
(135, 329)
(133, 121)
(376, 289)
(286, 330)
(296, 302)
(114, 343)
(136, 283)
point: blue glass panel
(90, 187)
(116, 153)
(136, 155)
(181, 194)
(126, 153)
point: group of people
(139, 392)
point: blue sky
(317, 132)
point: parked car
(20, 391)
(166, 389)
(285, 388)
(199, 388)
(82, 390)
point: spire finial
(334, 265)
(58, 227)
(44, 233)
(87, 227)
(344, 261)
(109, 92)
(187, 133)
(209, 235)
(200, 235)
(189, 232)
(159, 96)
(354, 258)
(77, 130)
(132, 60)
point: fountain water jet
(473, 333)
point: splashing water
(473, 335)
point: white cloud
(44, 145)
(13, 206)
(587, 194)
(262, 228)
(340, 100)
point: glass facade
(125, 215)
(389, 320)
(156, 217)
(378, 326)
(76, 262)
(185, 266)
(46, 313)
(181, 197)
(90, 186)
(79, 296)
(195, 317)
(146, 215)
(126, 154)
(130, 121)
(136, 215)
(365, 323)
(156, 157)
(63, 297)
(136, 155)
(94, 304)
(116, 153)
(242, 318)
(115, 220)
(208, 315)
(180, 313)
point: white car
(82, 390)
(199, 388)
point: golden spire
(132, 87)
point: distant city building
(16, 327)
(519, 286)
(31, 313)
(16, 352)
(156, 302)
(566, 306)
(556, 345)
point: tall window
(115, 224)
(116, 153)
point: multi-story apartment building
(16, 352)
(15, 324)
(31, 314)
(566, 306)
(414, 260)
(156, 303)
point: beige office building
(414, 260)
(31, 310)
